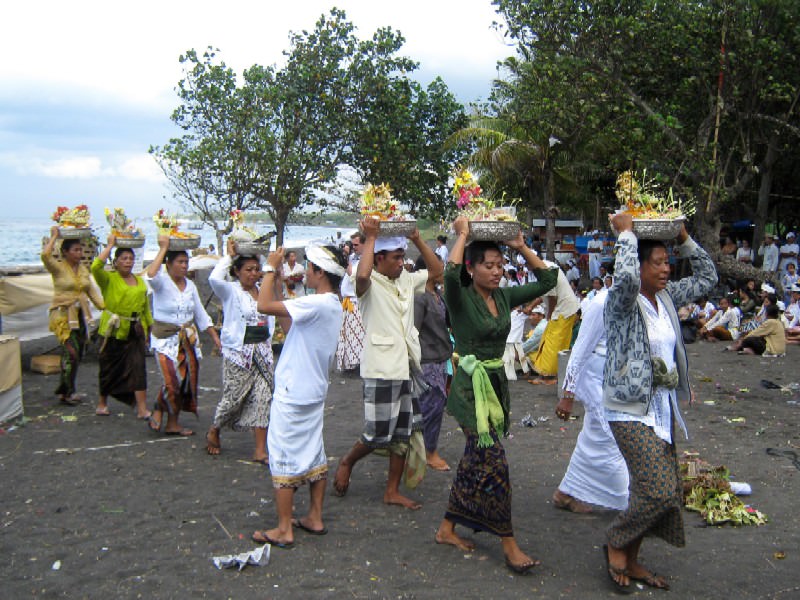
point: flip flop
(612, 571)
(652, 580)
(180, 433)
(102, 412)
(153, 425)
(261, 461)
(299, 524)
(261, 537)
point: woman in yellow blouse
(123, 326)
(69, 312)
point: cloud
(140, 167)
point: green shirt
(478, 332)
(121, 299)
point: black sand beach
(126, 513)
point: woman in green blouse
(123, 326)
(480, 316)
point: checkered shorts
(391, 412)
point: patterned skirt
(655, 501)
(246, 395)
(351, 339)
(179, 390)
(480, 497)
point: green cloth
(487, 406)
(478, 332)
(121, 299)
(662, 377)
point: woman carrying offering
(480, 313)
(246, 353)
(178, 317)
(123, 326)
(69, 312)
(296, 449)
(644, 379)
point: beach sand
(131, 514)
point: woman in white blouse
(178, 316)
(247, 363)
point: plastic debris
(69, 418)
(740, 488)
(258, 558)
(56, 565)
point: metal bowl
(493, 231)
(250, 249)
(397, 228)
(656, 229)
(74, 233)
(130, 242)
(187, 243)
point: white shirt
(771, 255)
(566, 302)
(785, 261)
(171, 305)
(730, 320)
(240, 309)
(745, 253)
(443, 253)
(573, 274)
(594, 244)
(299, 287)
(348, 286)
(518, 320)
(301, 375)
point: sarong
(179, 390)
(480, 497)
(655, 501)
(122, 366)
(432, 402)
(351, 339)
(557, 337)
(391, 413)
(246, 395)
(296, 448)
(72, 351)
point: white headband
(325, 260)
(390, 244)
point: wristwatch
(269, 269)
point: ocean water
(21, 239)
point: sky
(86, 87)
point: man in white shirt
(293, 277)
(724, 325)
(770, 253)
(788, 254)
(539, 322)
(595, 249)
(441, 249)
(573, 273)
(391, 354)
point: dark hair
(67, 245)
(600, 279)
(334, 280)
(476, 251)
(173, 254)
(442, 238)
(120, 251)
(419, 264)
(361, 237)
(772, 311)
(646, 247)
(773, 299)
(238, 263)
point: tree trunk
(764, 189)
(550, 213)
(281, 218)
(220, 242)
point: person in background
(124, 325)
(770, 253)
(768, 339)
(724, 325)
(539, 323)
(430, 319)
(293, 276)
(595, 249)
(408, 265)
(573, 274)
(729, 248)
(789, 279)
(745, 253)
(479, 400)
(441, 248)
(69, 312)
(296, 446)
(645, 377)
(609, 280)
(703, 311)
(788, 254)
(514, 354)
(351, 336)
(247, 360)
(178, 317)
(597, 285)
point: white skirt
(295, 445)
(597, 473)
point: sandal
(153, 425)
(653, 580)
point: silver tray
(250, 249)
(656, 229)
(189, 243)
(397, 228)
(130, 242)
(74, 233)
(493, 231)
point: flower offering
(72, 217)
(241, 232)
(642, 201)
(472, 205)
(377, 202)
(121, 225)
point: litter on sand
(258, 558)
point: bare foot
(638, 572)
(213, 446)
(400, 500)
(570, 503)
(450, 537)
(436, 462)
(341, 479)
(618, 566)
